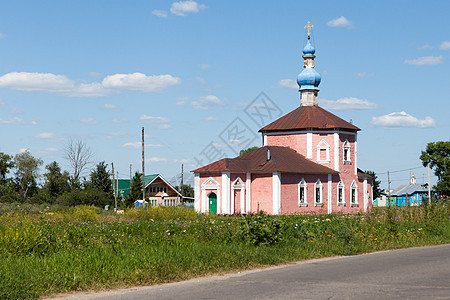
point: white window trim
(210, 184)
(319, 185)
(354, 187)
(303, 185)
(238, 184)
(341, 186)
(347, 147)
(323, 145)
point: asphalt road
(415, 273)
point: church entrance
(212, 203)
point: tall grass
(45, 251)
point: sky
(202, 77)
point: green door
(212, 203)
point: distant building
(382, 200)
(412, 194)
(308, 164)
(157, 190)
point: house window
(302, 200)
(346, 155)
(354, 194)
(318, 193)
(340, 195)
(323, 152)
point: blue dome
(308, 79)
(309, 49)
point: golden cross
(309, 27)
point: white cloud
(204, 66)
(12, 121)
(2, 35)
(350, 103)
(340, 22)
(206, 102)
(23, 150)
(164, 126)
(425, 47)
(95, 74)
(150, 119)
(425, 61)
(180, 103)
(138, 145)
(51, 149)
(91, 121)
(119, 120)
(402, 120)
(155, 159)
(160, 13)
(363, 75)
(25, 81)
(182, 8)
(62, 85)
(287, 83)
(45, 135)
(445, 46)
(140, 82)
(110, 107)
(211, 119)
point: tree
(100, 179)
(244, 151)
(56, 183)
(6, 163)
(188, 190)
(135, 189)
(79, 156)
(27, 171)
(437, 154)
(377, 192)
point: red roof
(282, 159)
(309, 117)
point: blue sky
(190, 72)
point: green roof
(124, 184)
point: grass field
(45, 251)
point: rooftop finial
(309, 27)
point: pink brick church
(308, 164)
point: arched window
(302, 188)
(341, 194)
(323, 152)
(318, 193)
(347, 154)
(354, 194)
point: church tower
(308, 80)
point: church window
(354, 194)
(341, 194)
(302, 200)
(323, 152)
(346, 154)
(318, 193)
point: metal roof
(409, 189)
(281, 159)
(306, 117)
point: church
(307, 164)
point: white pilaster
(330, 201)
(226, 193)
(276, 188)
(366, 200)
(248, 193)
(356, 154)
(309, 150)
(197, 192)
(264, 139)
(336, 151)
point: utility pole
(429, 184)
(114, 187)
(181, 186)
(389, 190)
(131, 180)
(117, 189)
(143, 168)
